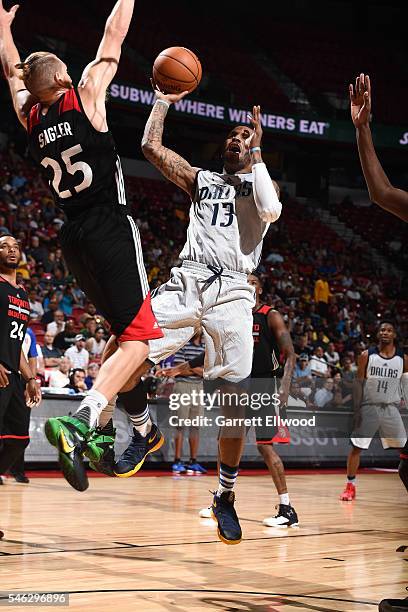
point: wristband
(163, 102)
(32, 378)
(254, 149)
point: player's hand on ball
(170, 98)
(255, 139)
(33, 393)
(360, 100)
(7, 17)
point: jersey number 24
(71, 168)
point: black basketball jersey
(14, 316)
(80, 163)
(265, 361)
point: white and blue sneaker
(178, 468)
(195, 468)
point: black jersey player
(16, 399)
(69, 138)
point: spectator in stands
(50, 306)
(58, 324)
(51, 355)
(322, 294)
(3, 229)
(318, 364)
(77, 381)
(302, 375)
(320, 339)
(65, 339)
(79, 295)
(348, 374)
(341, 397)
(96, 344)
(331, 355)
(324, 395)
(93, 370)
(59, 378)
(302, 346)
(36, 307)
(37, 252)
(18, 180)
(89, 327)
(78, 354)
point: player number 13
(72, 168)
(228, 216)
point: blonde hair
(39, 71)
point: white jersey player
(229, 217)
(380, 373)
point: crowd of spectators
(329, 291)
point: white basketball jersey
(383, 378)
(225, 229)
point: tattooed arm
(277, 326)
(170, 164)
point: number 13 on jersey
(226, 216)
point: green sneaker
(100, 451)
(68, 435)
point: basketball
(177, 69)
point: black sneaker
(393, 605)
(100, 451)
(286, 517)
(20, 477)
(223, 511)
(140, 446)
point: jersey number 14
(71, 168)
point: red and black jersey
(14, 316)
(265, 361)
(80, 163)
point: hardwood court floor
(138, 544)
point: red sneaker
(282, 436)
(349, 492)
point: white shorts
(223, 311)
(386, 419)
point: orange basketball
(177, 69)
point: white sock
(142, 422)
(107, 412)
(284, 499)
(91, 407)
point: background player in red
(15, 398)
(69, 137)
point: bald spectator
(65, 339)
(58, 324)
(60, 377)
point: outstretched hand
(170, 98)
(7, 17)
(255, 138)
(360, 101)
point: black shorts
(103, 251)
(270, 430)
(14, 413)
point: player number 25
(72, 168)
(229, 214)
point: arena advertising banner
(311, 127)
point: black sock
(193, 460)
(177, 460)
(134, 401)
(108, 428)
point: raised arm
(379, 187)
(266, 191)
(170, 164)
(98, 75)
(277, 325)
(10, 57)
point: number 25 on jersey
(71, 168)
